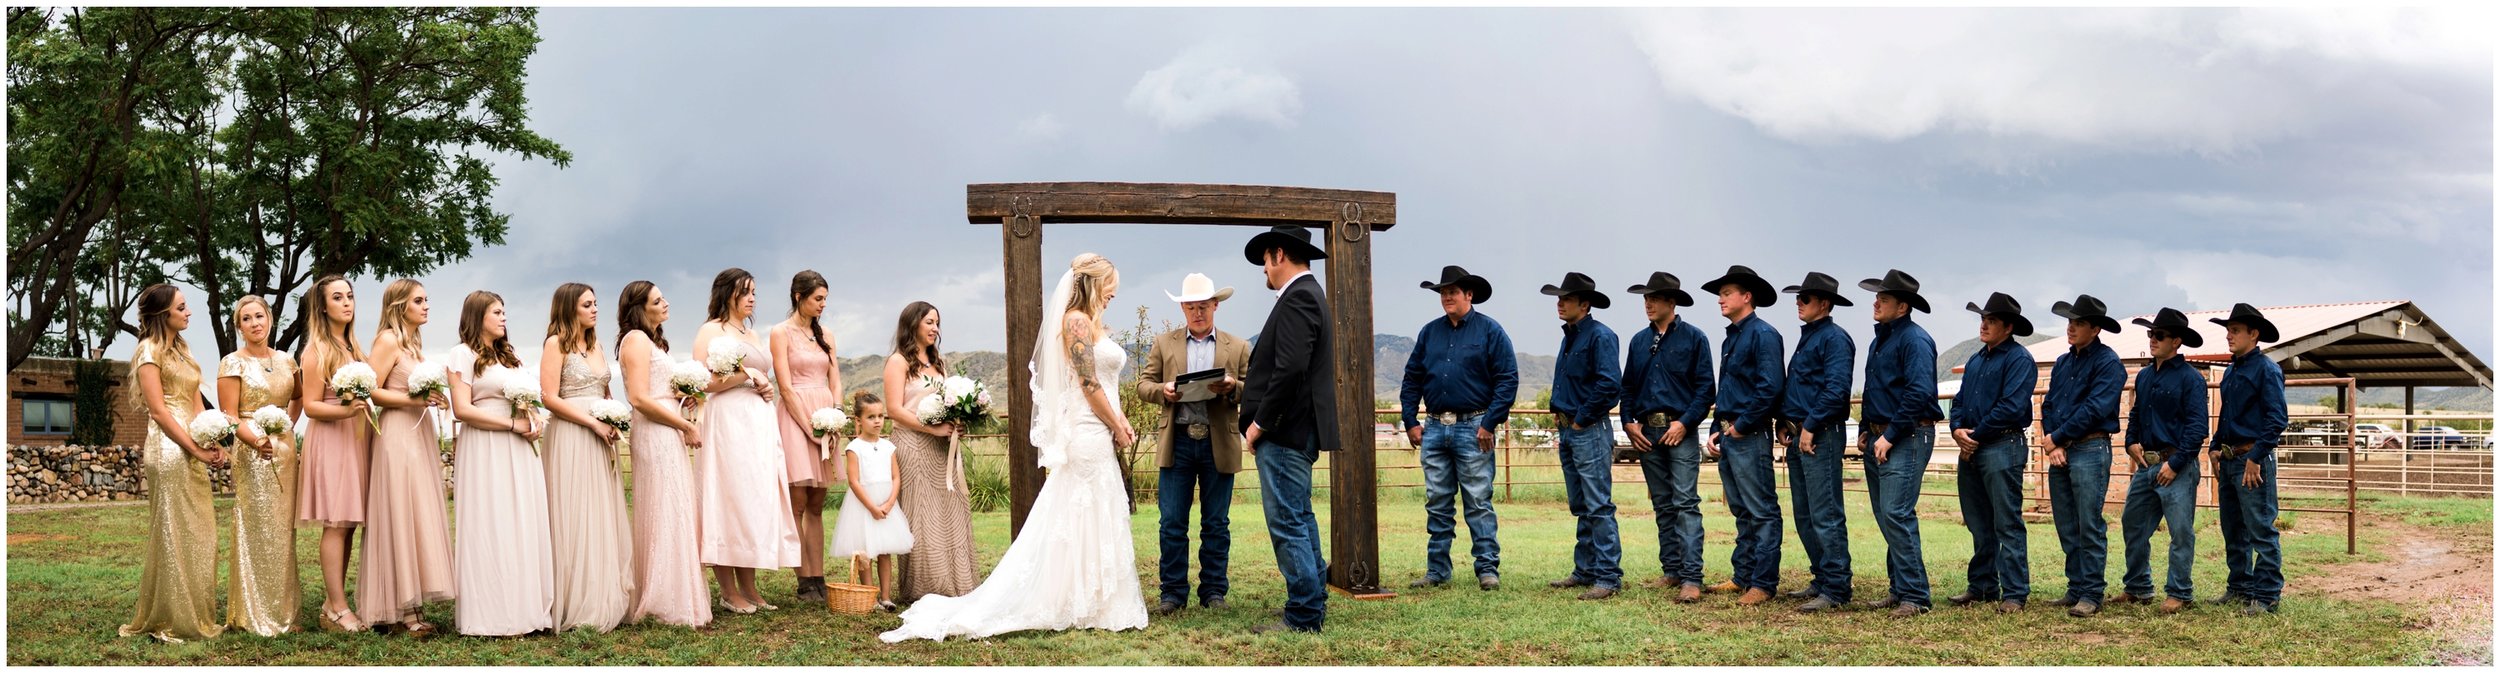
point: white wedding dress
(1075, 566)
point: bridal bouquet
(688, 378)
(355, 382)
(212, 428)
(824, 424)
(956, 400)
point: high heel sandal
(343, 621)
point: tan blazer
(1168, 360)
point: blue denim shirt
(1750, 375)
(1819, 373)
(1996, 392)
(1901, 379)
(1586, 378)
(2083, 393)
(1466, 367)
(2252, 405)
(2169, 410)
(1676, 382)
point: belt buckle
(1197, 431)
(1446, 417)
(1656, 420)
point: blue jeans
(1991, 485)
(2148, 504)
(1753, 495)
(1193, 467)
(1454, 465)
(2077, 491)
(1822, 524)
(1892, 489)
(1588, 456)
(2251, 546)
(1674, 477)
(1285, 495)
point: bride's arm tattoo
(1081, 353)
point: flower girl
(870, 522)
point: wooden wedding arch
(1347, 219)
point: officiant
(1195, 373)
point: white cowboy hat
(1198, 287)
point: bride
(1075, 566)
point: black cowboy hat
(1747, 279)
(2247, 315)
(2089, 309)
(2172, 321)
(1818, 284)
(1454, 275)
(2006, 309)
(1900, 285)
(1579, 284)
(1296, 239)
(1661, 282)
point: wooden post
(1022, 240)
(1353, 505)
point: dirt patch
(16, 538)
(2443, 582)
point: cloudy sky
(2185, 158)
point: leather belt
(2087, 438)
(1881, 428)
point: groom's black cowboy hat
(1747, 279)
(2247, 315)
(1576, 283)
(1291, 238)
(2006, 309)
(1454, 275)
(1819, 285)
(2172, 321)
(1900, 285)
(2089, 309)
(1663, 283)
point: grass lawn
(71, 574)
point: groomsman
(1815, 409)
(1750, 380)
(1289, 415)
(1667, 390)
(2165, 431)
(1899, 434)
(1989, 416)
(1190, 451)
(2251, 424)
(2076, 420)
(1464, 376)
(1585, 388)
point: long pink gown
(501, 549)
(407, 560)
(741, 495)
(668, 564)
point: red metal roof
(2293, 321)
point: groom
(1289, 415)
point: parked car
(2376, 436)
(2439, 437)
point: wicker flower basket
(854, 599)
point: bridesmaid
(331, 494)
(266, 587)
(941, 559)
(668, 566)
(744, 521)
(803, 365)
(178, 586)
(407, 538)
(594, 535)
(501, 552)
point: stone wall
(41, 474)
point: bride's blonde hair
(1093, 274)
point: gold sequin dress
(266, 589)
(178, 584)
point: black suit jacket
(1292, 389)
